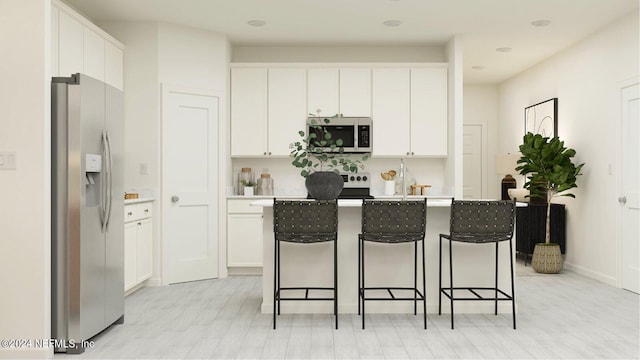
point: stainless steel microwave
(355, 132)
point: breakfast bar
(312, 263)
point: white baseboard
(607, 279)
(249, 270)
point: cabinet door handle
(175, 198)
(139, 223)
(407, 153)
(146, 211)
(264, 153)
(129, 213)
(622, 200)
(412, 153)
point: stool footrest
(306, 293)
(448, 292)
(392, 296)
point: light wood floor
(564, 316)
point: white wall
(25, 225)
(586, 78)
(157, 54)
(481, 108)
(141, 100)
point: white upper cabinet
(248, 111)
(55, 15)
(70, 45)
(322, 92)
(391, 112)
(113, 65)
(429, 112)
(78, 46)
(93, 55)
(355, 92)
(410, 112)
(345, 91)
(287, 107)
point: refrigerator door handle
(103, 185)
(109, 181)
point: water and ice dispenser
(93, 167)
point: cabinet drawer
(241, 206)
(135, 212)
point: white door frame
(222, 176)
(622, 84)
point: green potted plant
(321, 158)
(550, 172)
(248, 187)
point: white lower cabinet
(138, 244)
(244, 234)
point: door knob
(175, 198)
(622, 200)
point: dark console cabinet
(530, 227)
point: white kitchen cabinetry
(79, 46)
(244, 234)
(55, 40)
(355, 92)
(286, 108)
(268, 108)
(70, 45)
(391, 112)
(344, 91)
(410, 112)
(138, 244)
(429, 109)
(113, 65)
(248, 112)
(322, 92)
(93, 55)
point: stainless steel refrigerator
(87, 210)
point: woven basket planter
(547, 258)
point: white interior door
(472, 162)
(190, 184)
(630, 198)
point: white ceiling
(484, 25)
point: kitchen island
(311, 265)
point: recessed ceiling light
(392, 23)
(540, 23)
(503, 49)
(257, 23)
(478, 67)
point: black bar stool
(304, 222)
(479, 222)
(393, 222)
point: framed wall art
(542, 118)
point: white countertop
(138, 200)
(431, 202)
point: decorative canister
(245, 178)
(265, 185)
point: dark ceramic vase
(324, 185)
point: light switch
(7, 160)
(144, 169)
